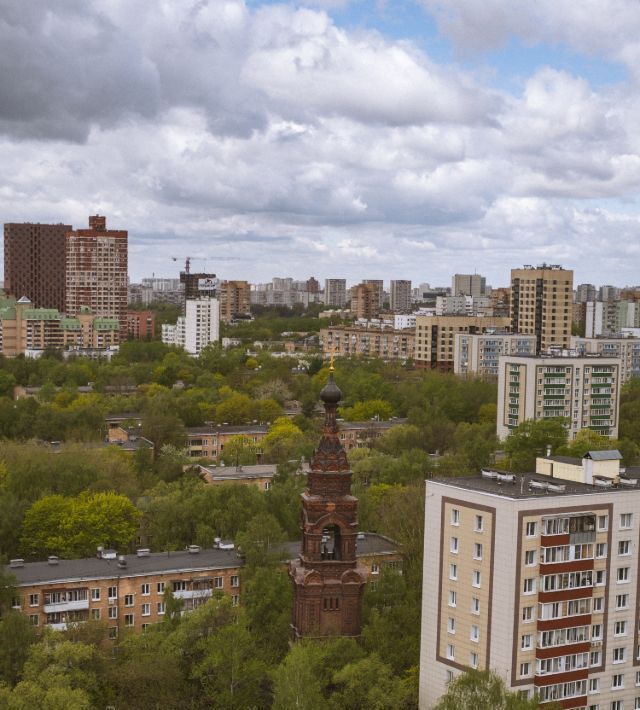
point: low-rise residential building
(127, 592)
(478, 354)
(536, 579)
(625, 348)
(368, 340)
(260, 475)
(360, 435)
(435, 336)
(583, 390)
(209, 440)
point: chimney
(52, 560)
(122, 562)
(548, 450)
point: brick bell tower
(327, 581)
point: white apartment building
(197, 328)
(626, 348)
(478, 354)
(535, 578)
(335, 292)
(584, 390)
(463, 305)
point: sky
(336, 138)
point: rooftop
(530, 485)
(239, 473)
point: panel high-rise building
(96, 271)
(400, 296)
(541, 304)
(378, 285)
(35, 263)
(335, 292)
(365, 301)
(468, 285)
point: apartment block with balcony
(536, 579)
(368, 340)
(583, 390)
(435, 336)
(478, 354)
(627, 349)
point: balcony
(75, 605)
(193, 593)
(62, 626)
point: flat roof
(94, 568)
(522, 489)
(228, 429)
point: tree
(284, 441)
(160, 425)
(16, 636)
(483, 690)
(261, 543)
(297, 685)
(530, 439)
(240, 450)
(369, 409)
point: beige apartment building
(584, 390)
(542, 304)
(535, 578)
(370, 340)
(627, 349)
(235, 300)
(30, 331)
(400, 296)
(435, 336)
(365, 301)
(478, 354)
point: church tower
(327, 581)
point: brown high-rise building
(328, 582)
(234, 297)
(541, 304)
(365, 301)
(34, 263)
(97, 271)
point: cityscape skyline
(388, 139)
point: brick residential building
(365, 301)
(96, 271)
(35, 263)
(141, 325)
(368, 340)
(235, 300)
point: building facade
(335, 292)
(197, 328)
(468, 285)
(235, 300)
(365, 301)
(35, 263)
(627, 349)
(141, 325)
(378, 284)
(435, 337)
(478, 354)
(370, 340)
(400, 296)
(536, 579)
(96, 271)
(541, 304)
(583, 390)
(328, 582)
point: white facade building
(477, 354)
(197, 328)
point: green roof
(106, 324)
(7, 301)
(41, 314)
(70, 324)
(8, 313)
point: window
(476, 578)
(474, 634)
(145, 589)
(622, 574)
(455, 516)
(113, 612)
(530, 558)
(600, 578)
(451, 625)
(453, 571)
(146, 610)
(453, 596)
(112, 592)
(601, 549)
(235, 580)
(95, 594)
(475, 605)
(626, 520)
(525, 670)
(529, 585)
(594, 658)
(235, 600)
(620, 628)
(450, 676)
(34, 599)
(477, 551)
(624, 547)
(113, 632)
(637, 677)
(594, 685)
(219, 581)
(473, 659)
(618, 654)
(479, 523)
(95, 614)
(160, 608)
(596, 632)
(636, 704)
(527, 613)
(33, 619)
(160, 587)
(179, 585)
(451, 652)
(603, 522)
(525, 642)
(531, 529)
(453, 545)
(622, 601)
(128, 619)
(128, 599)
(617, 680)
(617, 705)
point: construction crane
(187, 263)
